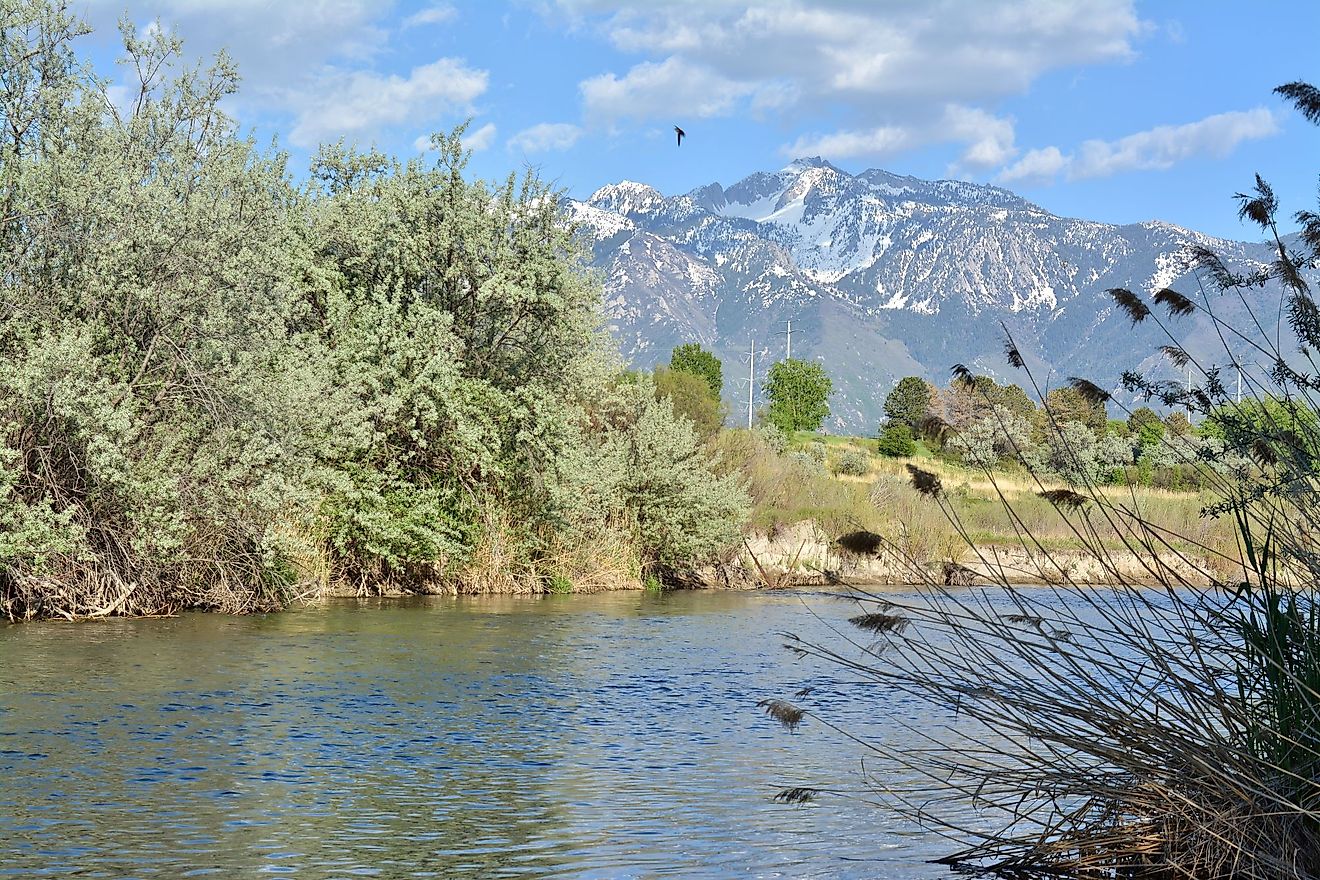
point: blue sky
(1110, 110)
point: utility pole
(751, 384)
(788, 355)
(1189, 395)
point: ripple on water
(594, 737)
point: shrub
(896, 442)
(210, 377)
(852, 463)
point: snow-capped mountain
(882, 276)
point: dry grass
(992, 509)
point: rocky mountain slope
(883, 276)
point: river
(609, 736)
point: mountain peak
(627, 197)
(804, 162)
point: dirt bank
(802, 554)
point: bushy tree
(896, 441)
(692, 358)
(691, 398)
(993, 437)
(799, 393)
(1177, 422)
(1275, 425)
(1070, 451)
(1067, 404)
(160, 400)
(965, 402)
(681, 511)
(909, 402)
(1113, 451)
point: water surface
(609, 736)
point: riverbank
(804, 555)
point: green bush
(896, 441)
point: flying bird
(680, 132)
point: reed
(1170, 731)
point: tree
(909, 402)
(1015, 400)
(964, 403)
(1067, 404)
(691, 399)
(1144, 421)
(692, 358)
(1147, 429)
(798, 393)
(1178, 423)
(1000, 434)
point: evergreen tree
(909, 402)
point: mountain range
(885, 276)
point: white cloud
(1035, 166)
(545, 136)
(436, 14)
(949, 51)
(310, 59)
(481, 139)
(278, 46)
(891, 71)
(1153, 150)
(989, 139)
(876, 142)
(1166, 145)
(362, 101)
(672, 88)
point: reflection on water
(581, 736)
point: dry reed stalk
(1162, 732)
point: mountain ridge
(883, 275)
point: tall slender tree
(799, 392)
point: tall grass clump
(1163, 732)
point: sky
(1103, 109)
